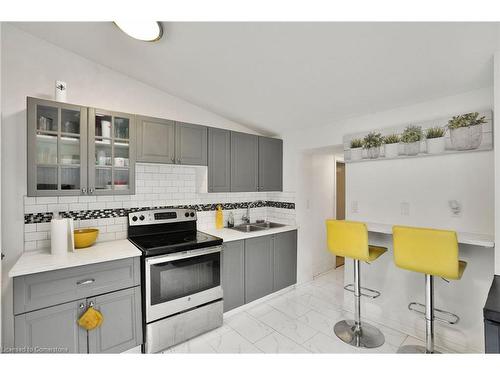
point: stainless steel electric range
(181, 276)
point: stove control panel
(161, 216)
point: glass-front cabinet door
(57, 148)
(111, 152)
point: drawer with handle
(44, 289)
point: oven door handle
(183, 255)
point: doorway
(340, 200)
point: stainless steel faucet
(246, 217)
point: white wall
(316, 136)
(496, 140)
(426, 185)
(30, 67)
(438, 174)
(0, 181)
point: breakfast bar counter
(476, 239)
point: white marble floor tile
(322, 343)
(319, 304)
(392, 336)
(289, 306)
(260, 310)
(277, 343)
(232, 342)
(197, 345)
(320, 322)
(249, 327)
(410, 340)
(292, 328)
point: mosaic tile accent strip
(46, 217)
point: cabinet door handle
(81, 306)
(173, 160)
(85, 282)
(91, 190)
(91, 303)
(84, 190)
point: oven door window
(183, 277)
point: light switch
(405, 209)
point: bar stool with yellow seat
(350, 239)
(432, 252)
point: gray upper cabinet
(121, 328)
(53, 327)
(233, 271)
(219, 160)
(111, 153)
(285, 259)
(270, 164)
(155, 140)
(74, 150)
(258, 267)
(57, 148)
(190, 144)
(244, 162)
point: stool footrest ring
(374, 293)
(416, 307)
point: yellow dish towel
(91, 319)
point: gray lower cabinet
(155, 140)
(258, 267)
(190, 144)
(52, 329)
(270, 164)
(244, 162)
(122, 328)
(48, 305)
(285, 259)
(219, 160)
(233, 274)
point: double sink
(259, 225)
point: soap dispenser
(219, 218)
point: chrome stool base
(368, 337)
(415, 349)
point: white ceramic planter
(435, 145)
(373, 152)
(466, 138)
(391, 150)
(356, 153)
(412, 149)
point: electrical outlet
(354, 207)
(405, 209)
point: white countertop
(476, 239)
(228, 234)
(41, 260)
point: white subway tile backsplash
(156, 185)
(46, 200)
(68, 199)
(78, 206)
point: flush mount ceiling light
(147, 31)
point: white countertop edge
(484, 240)
(42, 261)
(228, 234)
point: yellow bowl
(85, 237)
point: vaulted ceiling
(282, 76)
